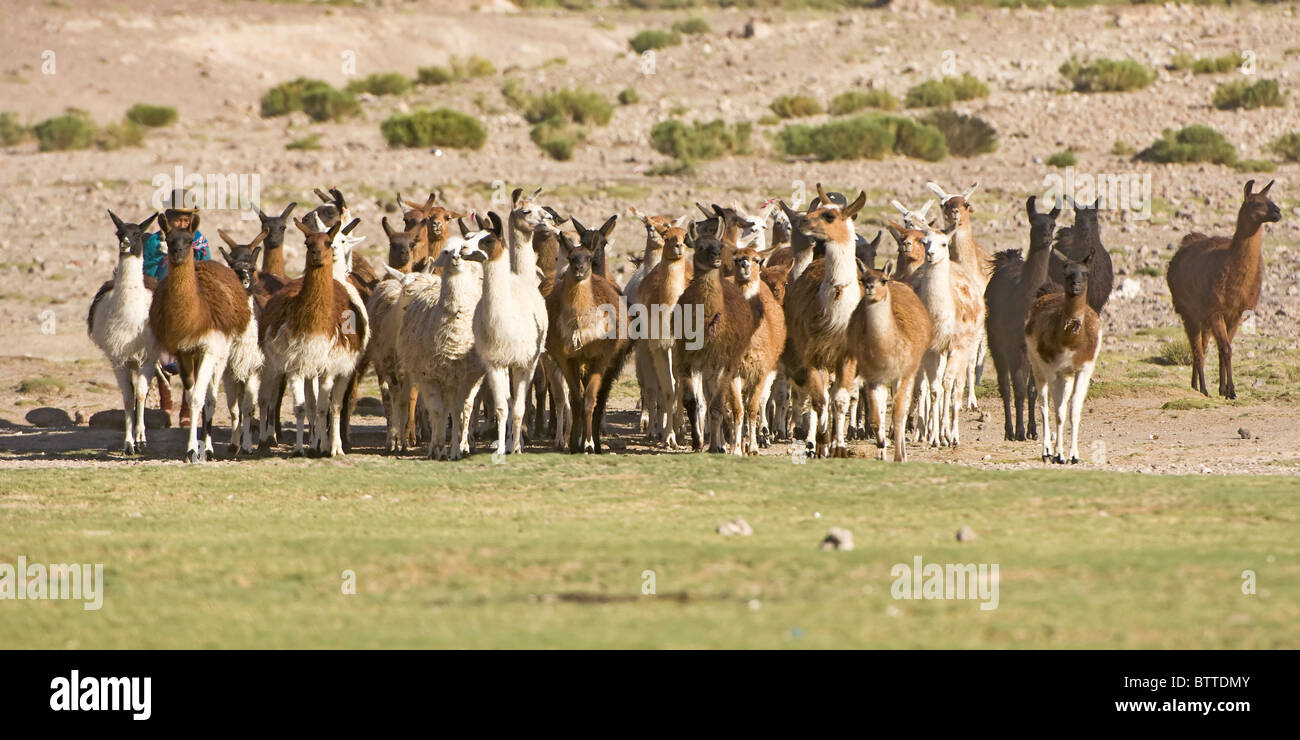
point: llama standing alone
(509, 327)
(1011, 290)
(889, 333)
(1214, 280)
(1063, 336)
(118, 322)
(201, 315)
(313, 335)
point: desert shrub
(795, 106)
(310, 142)
(769, 119)
(1176, 351)
(1287, 146)
(441, 127)
(692, 25)
(381, 83)
(930, 94)
(11, 131)
(557, 137)
(578, 106)
(1195, 143)
(1122, 149)
(118, 135)
(700, 140)
(1218, 65)
(628, 96)
(1062, 159)
(153, 116)
(868, 136)
(967, 87)
(1241, 94)
(435, 75)
(68, 131)
(513, 92)
(653, 38)
(852, 101)
(330, 104)
(966, 135)
(471, 68)
(286, 97)
(1254, 165)
(1107, 75)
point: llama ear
(707, 213)
(1266, 188)
(334, 231)
(444, 258)
(394, 274)
(164, 227)
(226, 256)
(791, 215)
(321, 194)
(934, 188)
(821, 193)
(497, 227)
(428, 203)
(1031, 206)
(856, 205)
(144, 225)
(256, 251)
(555, 215)
(352, 225)
(388, 230)
(288, 209)
(862, 266)
(966, 194)
(875, 243)
(682, 222)
(304, 228)
(608, 227)
(464, 230)
(536, 193)
(895, 230)
(226, 238)
(582, 230)
(258, 210)
(1249, 185)
(514, 195)
(338, 199)
(889, 270)
(117, 221)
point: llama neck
(1035, 270)
(520, 241)
(937, 287)
(496, 281)
(841, 267)
(1247, 241)
(1075, 304)
(129, 273)
(748, 287)
(802, 258)
(315, 301)
(963, 242)
(654, 254)
(273, 261)
(880, 322)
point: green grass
(966, 135)
(471, 67)
(1195, 143)
(1062, 159)
(694, 24)
(153, 116)
(1107, 75)
(867, 136)
(1254, 165)
(557, 137)
(310, 142)
(1287, 146)
(795, 106)
(11, 131)
(118, 135)
(1122, 149)
(550, 551)
(44, 384)
(435, 75)
(654, 38)
(381, 83)
(628, 96)
(1248, 96)
(1207, 65)
(441, 127)
(944, 92)
(65, 132)
(852, 101)
(700, 141)
(286, 97)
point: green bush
(868, 136)
(692, 25)
(930, 94)
(330, 104)
(513, 92)
(967, 87)
(700, 141)
(118, 135)
(471, 68)
(1218, 65)
(557, 137)
(381, 83)
(286, 97)
(1062, 159)
(578, 106)
(60, 133)
(1122, 149)
(310, 142)
(153, 116)
(434, 75)
(628, 96)
(653, 38)
(1248, 96)
(852, 101)
(1107, 75)
(795, 106)
(966, 135)
(11, 131)
(1254, 165)
(1287, 146)
(1195, 143)
(441, 127)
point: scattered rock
(757, 29)
(966, 534)
(1128, 289)
(737, 527)
(1243, 432)
(838, 539)
(112, 419)
(48, 416)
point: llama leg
(432, 406)
(519, 402)
(124, 384)
(935, 404)
(560, 405)
(663, 368)
(298, 386)
(1004, 390)
(590, 390)
(699, 412)
(1198, 357)
(1061, 387)
(736, 390)
(1080, 392)
(339, 390)
(198, 393)
(234, 396)
(1018, 389)
(576, 431)
(141, 379)
(252, 387)
(390, 420)
(466, 408)
(268, 406)
(845, 388)
(499, 386)
(399, 410)
(877, 395)
(902, 398)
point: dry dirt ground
(213, 61)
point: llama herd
(745, 327)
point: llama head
(1256, 207)
(274, 225)
(829, 222)
(526, 214)
(401, 244)
(178, 241)
(581, 259)
(936, 244)
(911, 244)
(1076, 275)
(242, 258)
(707, 242)
(655, 226)
(415, 212)
(596, 241)
(875, 283)
(866, 250)
(1041, 225)
(675, 237)
(130, 236)
(749, 264)
(319, 244)
(956, 207)
(490, 246)
(753, 227)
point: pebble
(838, 538)
(966, 534)
(735, 527)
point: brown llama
(911, 249)
(1012, 288)
(404, 247)
(758, 366)
(1063, 336)
(273, 244)
(201, 315)
(1215, 279)
(889, 334)
(437, 221)
(659, 292)
(588, 339)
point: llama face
(674, 243)
(1041, 225)
(130, 237)
(401, 243)
(747, 264)
(1076, 277)
(580, 259)
(936, 246)
(244, 262)
(1258, 207)
(875, 286)
(955, 209)
(274, 226)
(177, 244)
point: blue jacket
(155, 264)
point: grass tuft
(1248, 96)
(153, 116)
(1195, 143)
(1107, 75)
(443, 127)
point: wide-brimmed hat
(175, 206)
